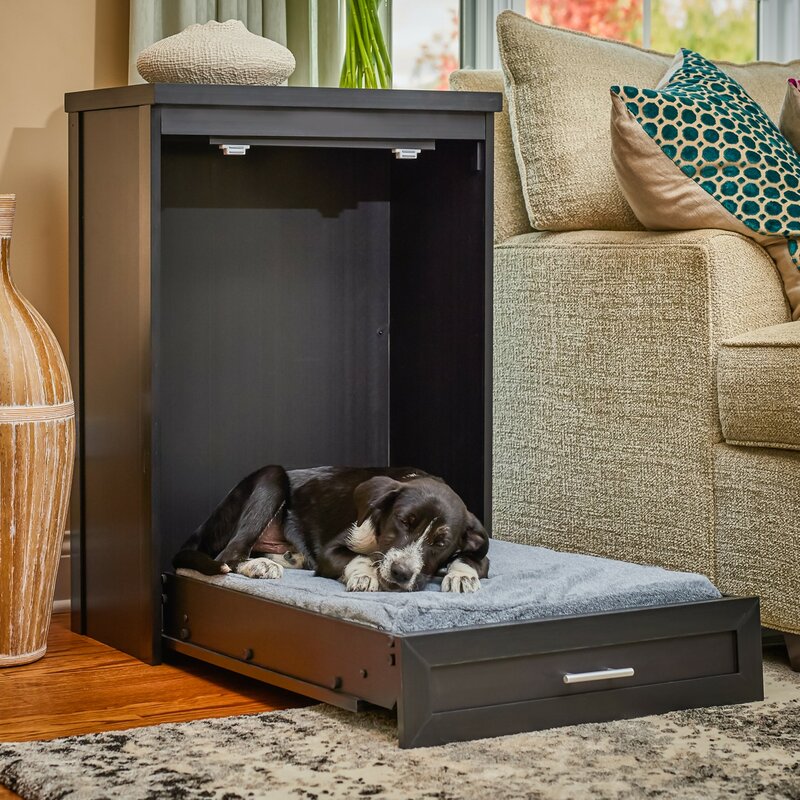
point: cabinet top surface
(169, 94)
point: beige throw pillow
(557, 89)
(790, 114)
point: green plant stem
(366, 17)
(376, 26)
(369, 75)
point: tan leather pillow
(698, 152)
(557, 90)
(790, 114)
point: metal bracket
(405, 152)
(234, 149)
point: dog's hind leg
(265, 505)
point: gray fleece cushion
(524, 583)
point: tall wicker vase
(37, 445)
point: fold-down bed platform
(551, 639)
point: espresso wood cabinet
(266, 275)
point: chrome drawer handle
(598, 675)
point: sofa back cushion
(557, 85)
(510, 214)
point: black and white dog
(375, 529)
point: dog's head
(413, 528)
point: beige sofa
(646, 397)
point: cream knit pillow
(557, 88)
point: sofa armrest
(605, 347)
(757, 384)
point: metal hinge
(234, 149)
(406, 152)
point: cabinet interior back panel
(273, 287)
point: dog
(373, 529)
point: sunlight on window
(719, 29)
(424, 43)
(613, 19)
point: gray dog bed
(524, 583)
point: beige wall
(48, 47)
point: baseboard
(63, 592)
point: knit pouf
(217, 52)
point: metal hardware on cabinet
(598, 675)
(234, 149)
(405, 152)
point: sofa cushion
(698, 152)
(790, 114)
(557, 84)
(510, 214)
(757, 387)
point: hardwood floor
(82, 686)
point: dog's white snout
(401, 566)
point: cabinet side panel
(439, 389)
(75, 353)
(118, 578)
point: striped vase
(37, 445)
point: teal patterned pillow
(698, 152)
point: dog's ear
(474, 540)
(374, 494)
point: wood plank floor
(82, 686)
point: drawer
(534, 676)
(499, 679)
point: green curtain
(312, 29)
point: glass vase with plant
(366, 58)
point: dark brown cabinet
(324, 298)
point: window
(428, 35)
(719, 29)
(613, 19)
(425, 40)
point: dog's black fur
(420, 525)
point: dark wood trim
(793, 649)
(334, 698)
(488, 167)
(308, 123)
(77, 600)
(330, 656)
(281, 97)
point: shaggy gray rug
(321, 753)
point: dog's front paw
(363, 583)
(260, 568)
(361, 576)
(461, 578)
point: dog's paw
(363, 583)
(461, 579)
(260, 568)
(360, 576)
